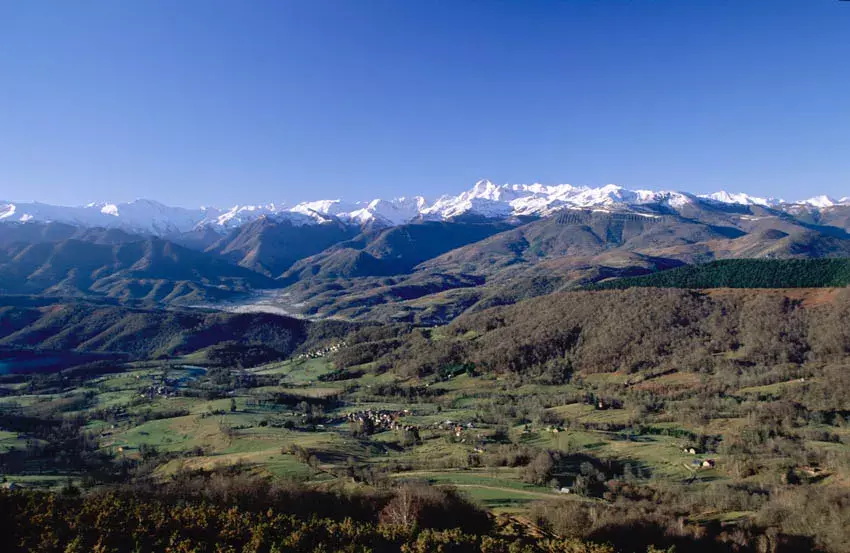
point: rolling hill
(140, 333)
(577, 234)
(152, 270)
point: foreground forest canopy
(711, 420)
(260, 521)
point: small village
(321, 352)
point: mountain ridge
(153, 269)
(484, 199)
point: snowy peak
(483, 199)
(820, 201)
(488, 199)
(390, 212)
(237, 215)
(484, 190)
(143, 216)
(323, 208)
(741, 199)
(817, 202)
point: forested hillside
(254, 519)
(630, 330)
(743, 273)
(142, 334)
(151, 270)
(751, 383)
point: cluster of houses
(158, 390)
(161, 387)
(458, 430)
(453, 425)
(372, 421)
(380, 420)
(319, 353)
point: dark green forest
(742, 273)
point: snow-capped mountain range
(484, 199)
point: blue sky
(223, 101)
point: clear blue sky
(226, 101)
